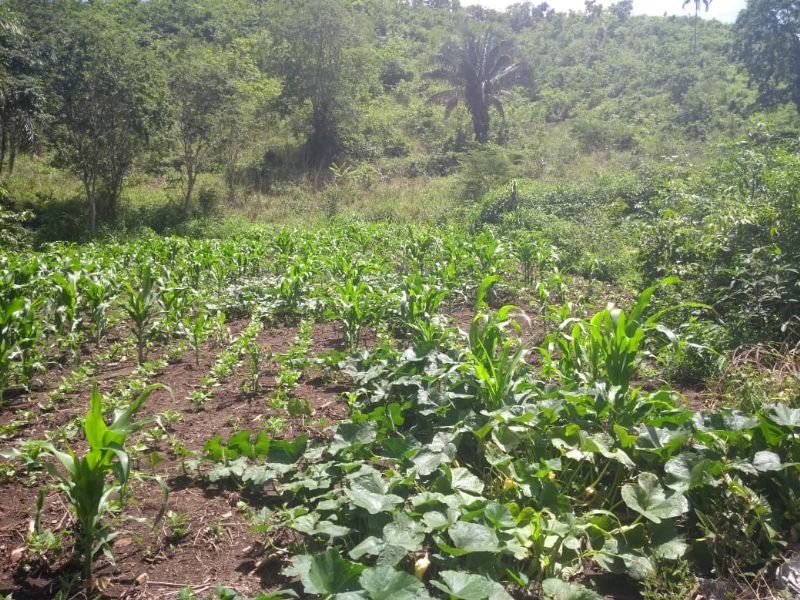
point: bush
(483, 169)
(733, 234)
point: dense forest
(396, 299)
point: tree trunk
(191, 177)
(89, 184)
(3, 135)
(12, 154)
(480, 123)
(92, 213)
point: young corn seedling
(418, 306)
(607, 348)
(525, 252)
(255, 359)
(198, 330)
(533, 255)
(89, 482)
(142, 306)
(292, 289)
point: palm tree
(697, 4)
(478, 70)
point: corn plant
(198, 331)
(607, 348)
(8, 314)
(98, 293)
(533, 255)
(418, 306)
(254, 359)
(292, 288)
(495, 361)
(490, 254)
(66, 302)
(351, 308)
(417, 250)
(90, 481)
(27, 352)
(175, 302)
(142, 306)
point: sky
(724, 10)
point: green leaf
(311, 524)
(405, 533)
(765, 461)
(368, 491)
(690, 470)
(94, 425)
(467, 586)
(326, 573)
(386, 583)
(214, 449)
(351, 435)
(784, 416)
(240, 442)
(461, 479)
(649, 499)
(556, 589)
(287, 452)
(498, 515)
(429, 462)
(471, 537)
(370, 546)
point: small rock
(787, 576)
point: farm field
(369, 411)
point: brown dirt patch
(219, 547)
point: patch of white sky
(723, 10)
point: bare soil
(219, 547)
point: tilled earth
(218, 546)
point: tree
(478, 70)
(22, 99)
(319, 49)
(768, 43)
(524, 14)
(202, 93)
(109, 97)
(697, 4)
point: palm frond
(452, 77)
(450, 106)
(444, 97)
(494, 102)
(507, 75)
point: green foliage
(485, 471)
(142, 306)
(320, 51)
(89, 482)
(607, 349)
(479, 68)
(766, 35)
(670, 579)
(731, 235)
(496, 362)
(14, 235)
(109, 95)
